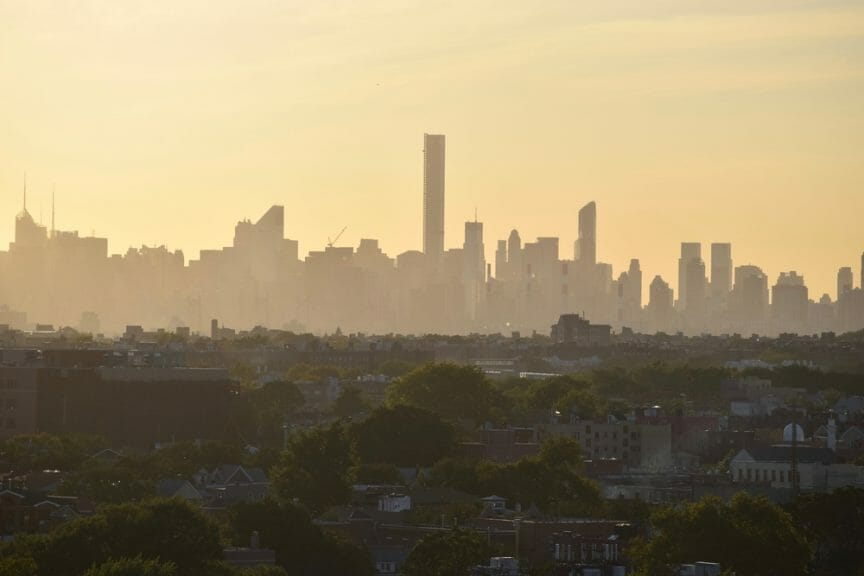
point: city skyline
(262, 279)
(588, 212)
(713, 121)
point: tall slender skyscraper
(721, 270)
(586, 245)
(844, 281)
(474, 272)
(433, 196)
(691, 277)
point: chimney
(831, 442)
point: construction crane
(330, 242)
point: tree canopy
(749, 535)
(317, 468)
(404, 436)
(301, 547)
(171, 531)
(448, 553)
(450, 390)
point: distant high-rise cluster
(54, 277)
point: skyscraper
(474, 271)
(660, 303)
(750, 295)
(844, 281)
(501, 260)
(433, 196)
(514, 254)
(688, 266)
(721, 270)
(789, 301)
(586, 245)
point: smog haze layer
(165, 123)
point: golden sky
(165, 121)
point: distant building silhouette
(586, 245)
(660, 304)
(844, 281)
(433, 196)
(789, 302)
(474, 272)
(749, 306)
(692, 286)
(721, 273)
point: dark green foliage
(263, 571)
(110, 482)
(834, 526)
(404, 436)
(750, 535)
(171, 531)
(50, 452)
(550, 480)
(259, 413)
(133, 477)
(17, 565)
(301, 547)
(133, 567)
(350, 402)
(450, 390)
(317, 468)
(448, 553)
(378, 473)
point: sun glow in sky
(717, 120)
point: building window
(749, 475)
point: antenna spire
(25, 191)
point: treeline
(172, 538)
(817, 535)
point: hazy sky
(723, 120)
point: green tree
(404, 436)
(552, 479)
(378, 473)
(109, 482)
(263, 571)
(750, 535)
(17, 565)
(260, 411)
(49, 451)
(133, 567)
(300, 546)
(317, 468)
(172, 531)
(350, 402)
(448, 553)
(833, 524)
(450, 390)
